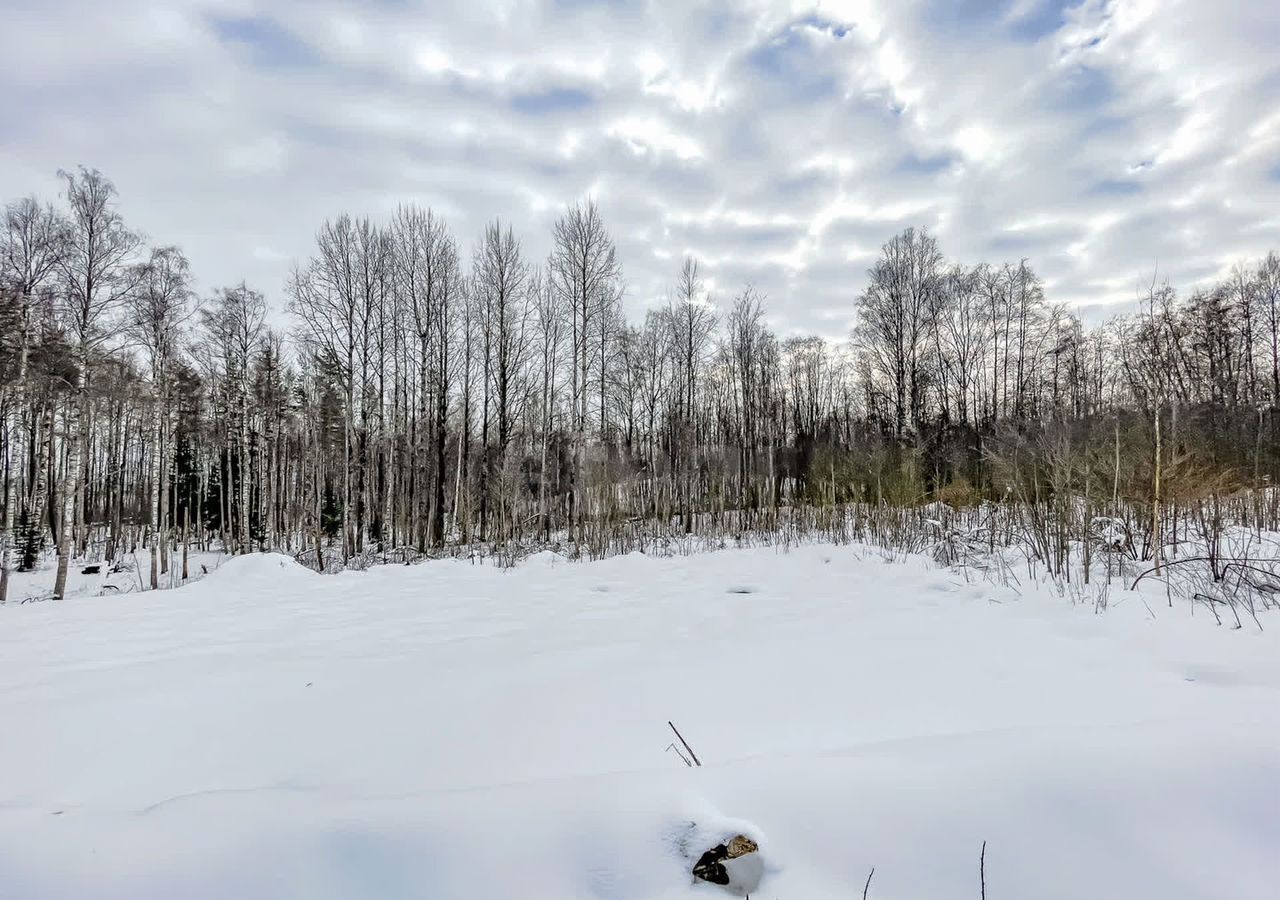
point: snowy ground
(131, 571)
(457, 731)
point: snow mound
(259, 570)
(544, 559)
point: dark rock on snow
(714, 865)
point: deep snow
(130, 572)
(458, 731)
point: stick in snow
(982, 869)
(694, 756)
(866, 887)
(684, 759)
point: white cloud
(260, 156)
(782, 142)
(650, 134)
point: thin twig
(692, 755)
(1208, 601)
(1168, 564)
(982, 869)
(866, 887)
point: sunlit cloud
(781, 142)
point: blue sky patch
(1081, 88)
(1116, 187)
(971, 17)
(794, 79)
(269, 43)
(915, 164)
(788, 60)
(1045, 18)
(821, 23)
(552, 100)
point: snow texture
(93, 576)
(459, 731)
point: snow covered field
(93, 577)
(458, 731)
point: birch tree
(234, 321)
(97, 275)
(156, 312)
(31, 247)
(586, 276)
(501, 290)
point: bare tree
(427, 273)
(549, 323)
(961, 338)
(585, 274)
(895, 321)
(501, 288)
(1268, 296)
(31, 248)
(692, 319)
(558, 418)
(748, 352)
(235, 320)
(327, 299)
(156, 312)
(98, 276)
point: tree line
(426, 396)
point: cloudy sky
(780, 143)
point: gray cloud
(781, 143)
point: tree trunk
(72, 493)
(153, 500)
(437, 507)
(32, 531)
(15, 458)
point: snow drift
(257, 572)
(458, 731)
